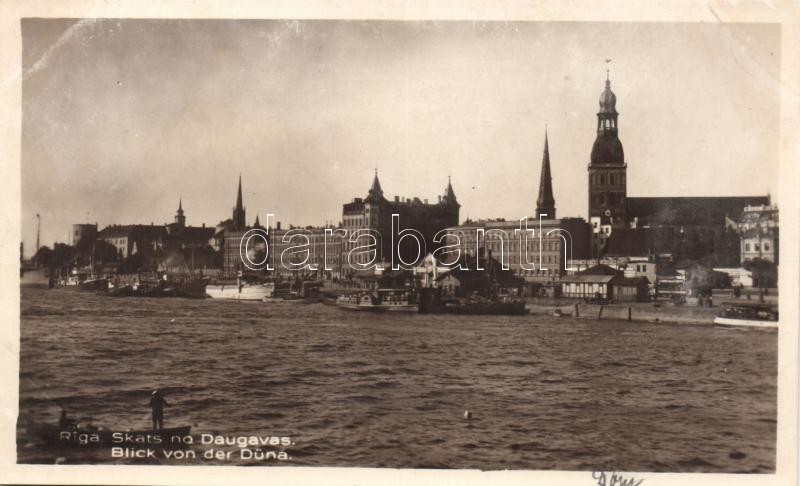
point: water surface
(389, 390)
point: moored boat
(749, 314)
(241, 290)
(488, 307)
(395, 300)
(93, 285)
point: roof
(601, 269)
(689, 210)
(133, 231)
(607, 150)
(588, 278)
(608, 100)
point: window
(766, 246)
(747, 247)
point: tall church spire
(179, 217)
(238, 211)
(546, 204)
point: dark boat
(488, 307)
(193, 288)
(432, 302)
(93, 285)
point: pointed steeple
(375, 192)
(238, 211)
(449, 194)
(239, 195)
(179, 217)
(546, 204)
(257, 223)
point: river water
(390, 390)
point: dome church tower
(607, 168)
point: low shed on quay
(615, 288)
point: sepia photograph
(492, 245)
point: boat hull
(93, 285)
(729, 321)
(491, 308)
(381, 307)
(239, 292)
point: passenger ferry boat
(750, 314)
(401, 300)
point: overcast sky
(123, 117)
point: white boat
(241, 290)
(749, 314)
(396, 300)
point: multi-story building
(306, 252)
(373, 216)
(180, 236)
(686, 227)
(131, 239)
(759, 232)
(539, 256)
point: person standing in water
(157, 403)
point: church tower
(545, 204)
(238, 212)
(607, 186)
(180, 219)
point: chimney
(425, 200)
(397, 199)
(278, 225)
(440, 198)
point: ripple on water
(385, 390)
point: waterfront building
(543, 256)
(604, 282)
(759, 233)
(83, 232)
(686, 227)
(373, 214)
(180, 236)
(147, 241)
(323, 254)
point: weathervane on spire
(608, 61)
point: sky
(121, 118)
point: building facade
(83, 232)
(759, 231)
(688, 228)
(306, 252)
(607, 169)
(541, 256)
(373, 216)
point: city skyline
(187, 100)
